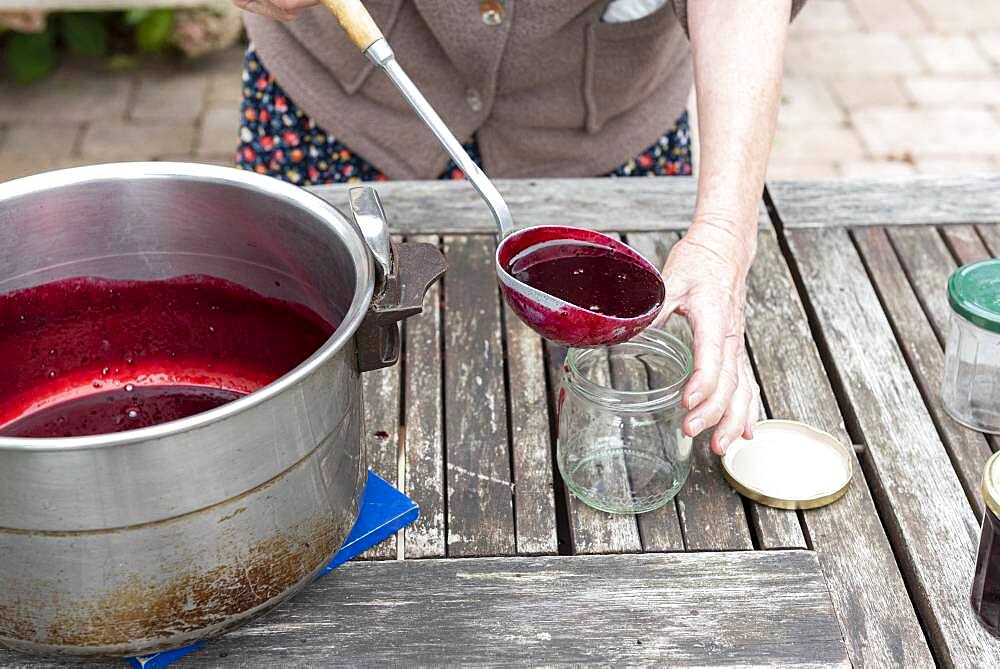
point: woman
(550, 88)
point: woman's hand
(705, 277)
(282, 10)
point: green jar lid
(974, 293)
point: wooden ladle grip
(356, 21)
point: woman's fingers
(710, 411)
(737, 415)
(708, 326)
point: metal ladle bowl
(555, 319)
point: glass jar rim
(658, 342)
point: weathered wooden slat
(382, 436)
(480, 516)
(591, 531)
(869, 595)
(991, 236)
(712, 514)
(886, 201)
(659, 530)
(756, 608)
(534, 499)
(599, 203)
(921, 501)
(927, 263)
(968, 449)
(964, 242)
(424, 437)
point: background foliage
(118, 38)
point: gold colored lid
(991, 484)
(789, 465)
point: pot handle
(404, 273)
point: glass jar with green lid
(971, 386)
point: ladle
(555, 319)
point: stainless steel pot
(129, 543)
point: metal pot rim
(293, 195)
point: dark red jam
(89, 356)
(986, 583)
(119, 410)
(590, 276)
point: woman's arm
(738, 48)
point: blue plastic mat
(384, 511)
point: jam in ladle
(573, 286)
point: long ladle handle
(362, 30)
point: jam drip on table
(88, 356)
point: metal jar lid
(789, 465)
(991, 484)
(974, 293)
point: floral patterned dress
(278, 139)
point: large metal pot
(128, 543)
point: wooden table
(846, 319)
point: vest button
(491, 11)
(473, 100)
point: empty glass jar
(619, 445)
(971, 387)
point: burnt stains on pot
(193, 601)
(14, 623)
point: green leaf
(30, 56)
(85, 34)
(153, 32)
(134, 17)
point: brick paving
(158, 111)
(914, 85)
(872, 88)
